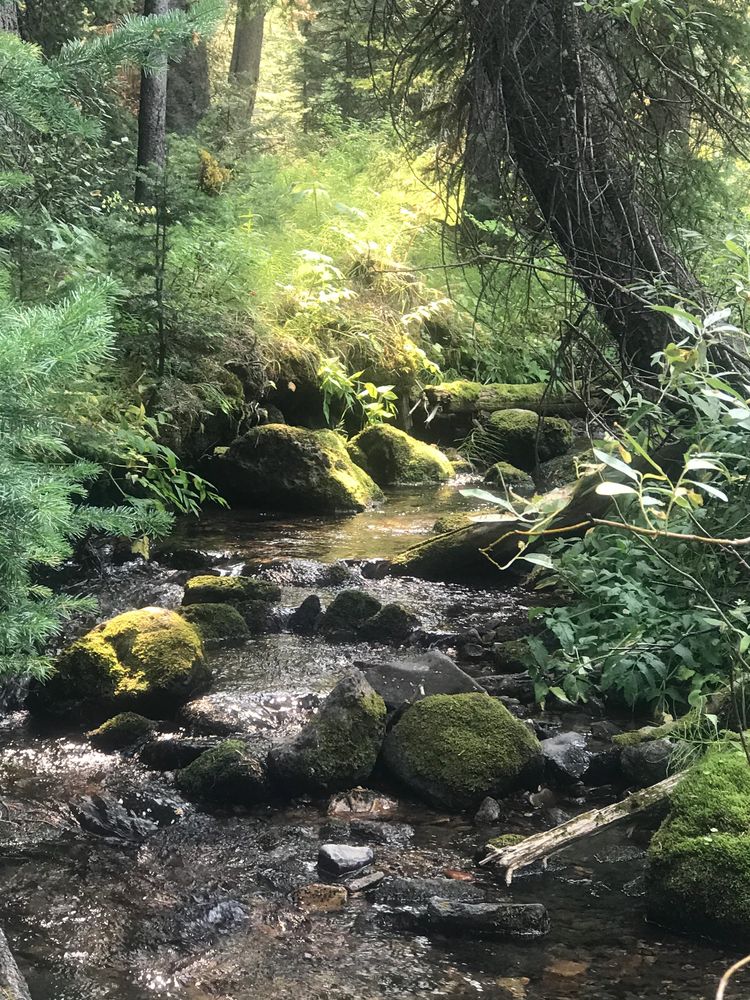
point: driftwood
(12, 984)
(541, 845)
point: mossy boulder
(348, 610)
(216, 623)
(507, 476)
(698, 875)
(121, 731)
(291, 468)
(392, 625)
(392, 457)
(515, 436)
(338, 748)
(454, 750)
(229, 590)
(149, 660)
(229, 774)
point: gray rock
(493, 920)
(341, 859)
(415, 892)
(488, 813)
(519, 686)
(566, 757)
(647, 763)
(306, 619)
(12, 984)
(369, 831)
(367, 881)
(402, 682)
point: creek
(112, 886)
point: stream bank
(116, 886)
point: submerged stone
(392, 457)
(121, 731)
(402, 682)
(454, 750)
(230, 590)
(492, 920)
(321, 897)
(339, 747)
(150, 660)
(291, 468)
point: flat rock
(494, 920)
(367, 881)
(400, 891)
(341, 859)
(402, 682)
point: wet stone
(320, 897)
(566, 757)
(367, 881)
(104, 816)
(362, 802)
(488, 813)
(402, 682)
(341, 859)
(647, 763)
(519, 686)
(369, 831)
(399, 891)
(493, 920)
(170, 753)
(306, 619)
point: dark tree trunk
(244, 69)
(152, 118)
(188, 89)
(560, 106)
(9, 17)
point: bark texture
(244, 69)
(560, 101)
(9, 17)
(188, 88)
(152, 117)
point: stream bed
(112, 886)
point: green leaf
(538, 559)
(614, 489)
(616, 463)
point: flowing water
(114, 887)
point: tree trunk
(188, 88)
(152, 118)
(560, 107)
(9, 17)
(244, 69)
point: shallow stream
(112, 886)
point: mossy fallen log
(463, 396)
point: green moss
(229, 589)
(151, 658)
(228, 773)
(392, 624)
(506, 840)
(460, 396)
(216, 623)
(456, 749)
(123, 730)
(392, 457)
(511, 436)
(504, 474)
(348, 610)
(450, 522)
(699, 861)
(676, 729)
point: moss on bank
(698, 876)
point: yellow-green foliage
(151, 658)
(699, 861)
(392, 457)
(211, 175)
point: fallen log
(12, 984)
(541, 845)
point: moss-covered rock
(392, 457)
(338, 748)
(515, 436)
(450, 522)
(698, 876)
(456, 749)
(150, 660)
(348, 610)
(260, 617)
(229, 590)
(505, 475)
(391, 625)
(121, 731)
(290, 468)
(217, 623)
(229, 774)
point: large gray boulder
(402, 682)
